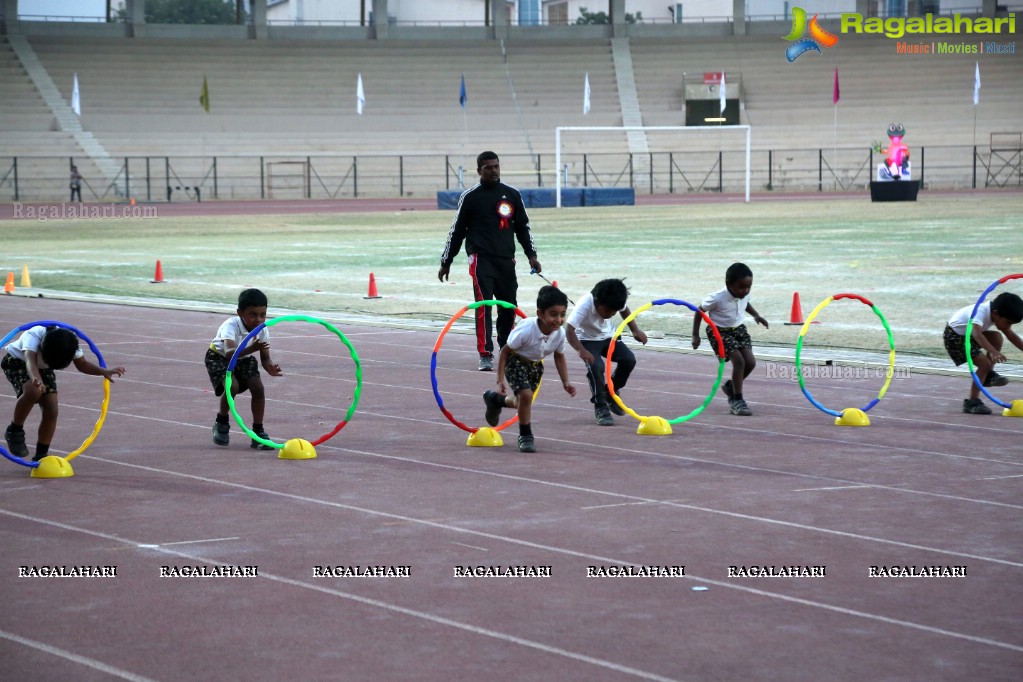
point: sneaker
(975, 406)
(995, 379)
(739, 407)
(728, 391)
(486, 363)
(603, 415)
(614, 406)
(494, 401)
(221, 433)
(16, 442)
(256, 445)
(526, 444)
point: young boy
(29, 365)
(985, 343)
(590, 329)
(251, 313)
(727, 308)
(520, 366)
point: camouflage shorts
(16, 372)
(244, 369)
(521, 373)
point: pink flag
(834, 95)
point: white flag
(360, 96)
(76, 102)
(586, 95)
(976, 86)
(722, 90)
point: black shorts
(244, 369)
(734, 338)
(956, 346)
(521, 373)
(16, 372)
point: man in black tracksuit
(490, 216)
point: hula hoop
(799, 349)
(969, 329)
(293, 318)
(106, 389)
(433, 364)
(630, 318)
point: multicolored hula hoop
(799, 350)
(969, 330)
(106, 388)
(630, 318)
(293, 318)
(433, 364)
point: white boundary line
(73, 657)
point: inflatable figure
(896, 161)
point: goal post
(626, 129)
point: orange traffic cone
(554, 284)
(158, 275)
(372, 287)
(9, 284)
(796, 316)
(26, 281)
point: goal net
(661, 159)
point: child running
(251, 313)
(985, 343)
(590, 329)
(520, 364)
(29, 365)
(727, 308)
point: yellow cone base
(52, 466)
(297, 448)
(654, 426)
(485, 437)
(852, 416)
(1015, 411)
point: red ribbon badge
(506, 211)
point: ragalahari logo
(818, 36)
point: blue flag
(461, 94)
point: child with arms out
(520, 366)
(985, 343)
(29, 365)
(727, 308)
(252, 305)
(590, 329)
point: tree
(186, 12)
(587, 17)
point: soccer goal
(708, 143)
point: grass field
(917, 261)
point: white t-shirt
(31, 340)
(234, 329)
(527, 340)
(962, 316)
(724, 309)
(589, 325)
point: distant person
(76, 184)
(489, 217)
(985, 343)
(590, 329)
(520, 365)
(29, 365)
(727, 309)
(252, 305)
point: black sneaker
(494, 401)
(729, 392)
(975, 406)
(486, 363)
(739, 407)
(526, 444)
(221, 433)
(603, 415)
(995, 379)
(256, 445)
(614, 406)
(16, 442)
